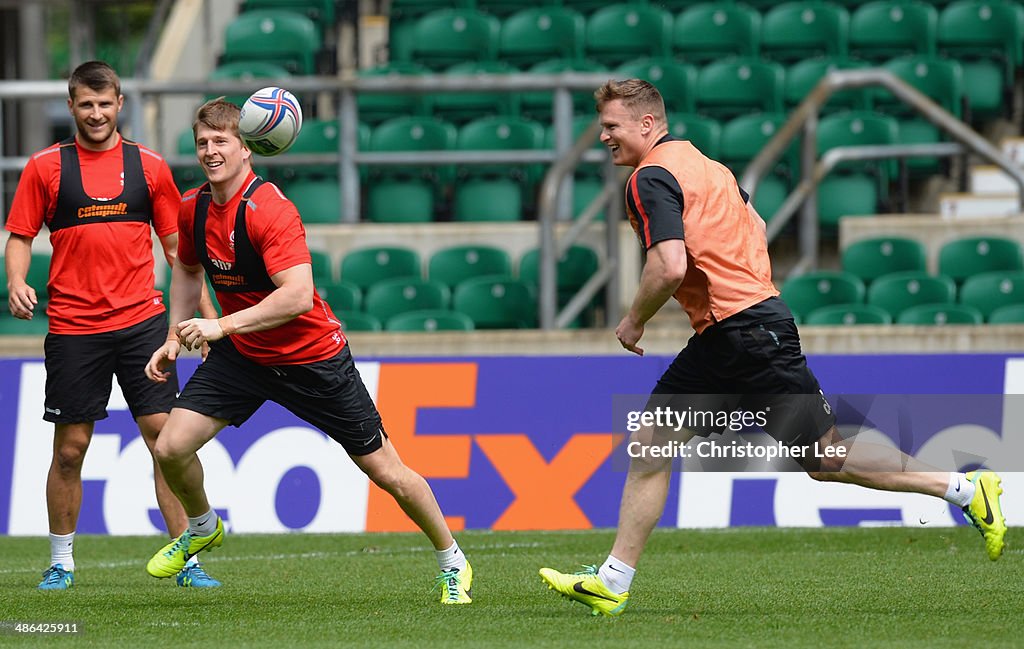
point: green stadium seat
(367, 266)
(465, 106)
(987, 37)
(457, 263)
(501, 133)
(743, 137)
(537, 34)
(357, 321)
(38, 326)
(967, 256)
(585, 189)
(281, 36)
(793, 31)
(869, 259)
(38, 276)
(885, 29)
(538, 104)
(430, 320)
(488, 199)
(896, 292)
(709, 31)
(1008, 314)
(842, 195)
(323, 268)
(343, 297)
(413, 134)
(575, 267)
(803, 76)
(496, 302)
(260, 73)
(318, 201)
(316, 136)
(580, 123)
(391, 297)
(940, 314)
(375, 108)
(859, 128)
(989, 291)
(849, 314)
(620, 32)
(733, 87)
(402, 19)
(400, 200)
(704, 132)
(191, 175)
(321, 12)
(445, 37)
(677, 82)
(805, 293)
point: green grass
(882, 587)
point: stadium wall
(525, 442)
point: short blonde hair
(218, 114)
(638, 96)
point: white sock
(61, 549)
(616, 575)
(204, 525)
(960, 491)
(451, 558)
(192, 561)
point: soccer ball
(270, 121)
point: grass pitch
(881, 587)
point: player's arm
(17, 258)
(292, 297)
(656, 199)
(205, 305)
(660, 279)
(187, 287)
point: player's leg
(800, 415)
(78, 376)
(605, 589)
(182, 436)
(330, 395)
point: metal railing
(804, 120)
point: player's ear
(120, 102)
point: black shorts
(79, 370)
(757, 369)
(328, 394)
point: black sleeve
(656, 199)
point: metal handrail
(552, 247)
(804, 120)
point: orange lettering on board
(545, 493)
(402, 389)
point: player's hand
(163, 358)
(629, 333)
(22, 300)
(193, 333)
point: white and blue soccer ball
(270, 121)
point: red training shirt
(279, 239)
(102, 274)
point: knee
(392, 478)
(68, 457)
(166, 453)
(826, 469)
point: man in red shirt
(705, 246)
(278, 341)
(99, 195)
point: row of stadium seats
(958, 259)
(405, 10)
(987, 35)
(721, 89)
(976, 301)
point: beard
(96, 136)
